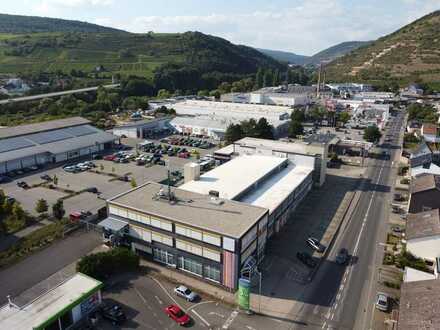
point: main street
(343, 298)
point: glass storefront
(163, 256)
(191, 266)
(212, 273)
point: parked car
(399, 197)
(186, 293)
(178, 315)
(382, 302)
(22, 184)
(93, 190)
(306, 259)
(113, 313)
(315, 244)
(72, 169)
(110, 157)
(397, 229)
(4, 179)
(342, 257)
(97, 156)
(46, 177)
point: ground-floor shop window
(212, 273)
(163, 256)
(191, 266)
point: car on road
(186, 293)
(113, 313)
(177, 314)
(315, 244)
(382, 302)
(342, 256)
(306, 259)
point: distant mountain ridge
(33, 24)
(410, 54)
(326, 55)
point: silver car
(186, 293)
(382, 302)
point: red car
(110, 157)
(177, 314)
(183, 155)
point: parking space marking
(171, 297)
(158, 300)
(216, 314)
(230, 319)
(250, 328)
(201, 318)
(200, 303)
(140, 296)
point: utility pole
(318, 87)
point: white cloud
(53, 7)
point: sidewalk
(10, 239)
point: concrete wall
(426, 248)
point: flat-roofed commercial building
(315, 146)
(50, 142)
(53, 306)
(274, 183)
(205, 236)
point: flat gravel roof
(224, 217)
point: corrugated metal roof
(59, 146)
(41, 127)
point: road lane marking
(158, 300)
(230, 320)
(332, 316)
(324, 324)
(336, 306)
(250, 328)
(201, 318)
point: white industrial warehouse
(50, 142)
(213, 118)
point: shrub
(103, 264)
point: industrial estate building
(50, 142)
(214, 223)
(316, 147)
(52, 306)
(213, 118)
(142, 129)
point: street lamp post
(260, 275)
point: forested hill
(31, 24)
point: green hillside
(283, 56)
(332, 53)
(127, 54)
(33, 24)
(411, 54)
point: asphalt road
(42, 96)
(344, 296)
(39, 266)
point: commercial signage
(244, 289)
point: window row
(194, 267)
(198, 235)
(198, 250)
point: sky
(300, 26)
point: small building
(423, 234)
(421, 156)
(50, 142)
(419, 305)
(428, 168)
(413, 126)
(430, 133)
(424, 193)
(205, 126)
(143, 129)
(283, 99)
(53, 305)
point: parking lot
(108, 177)
(143, 299)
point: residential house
(423, 234)
(421, 156)
(430, 132)
(424, 193)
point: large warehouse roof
(56, 147)
(236, 176)
(49, 305)
(9, 132)
(224, 217)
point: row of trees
(423, 113)
(12, 215)
(249, 128)
(273, 77)
(42, 207)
